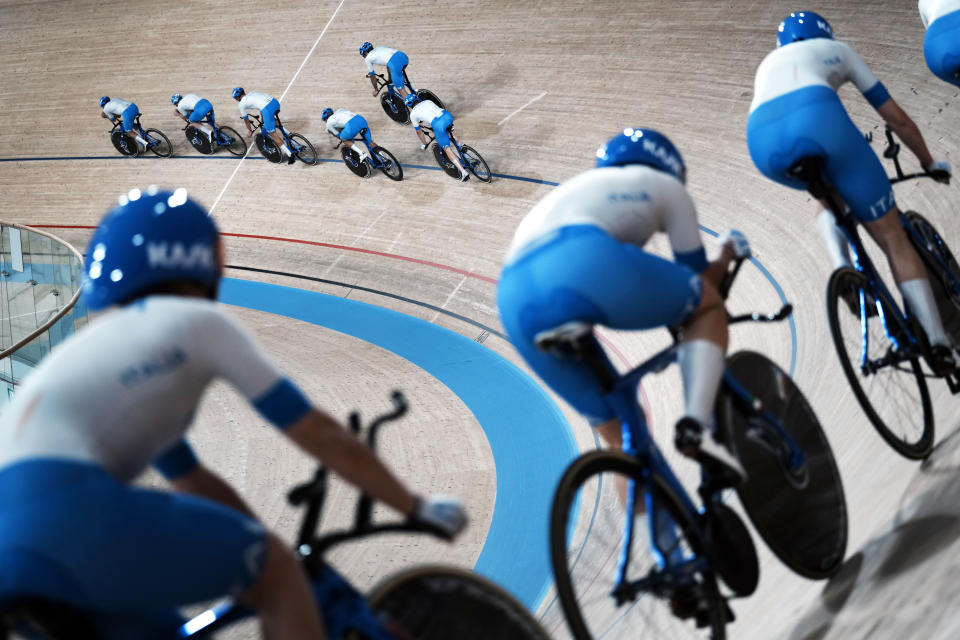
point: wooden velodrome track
(583, 71)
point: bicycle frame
(296, 148)
(388, 85)
(428, 131)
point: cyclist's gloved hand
(737, 243)
(941, 167)
(443, 513)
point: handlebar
(382, 82)
(312, 494)
(892, 151)
(785, 311)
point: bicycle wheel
(426, 94)
(198, 141)
(939, 259)
(587, 522)
(892, 391)
(267, 148)
(448, 167)
(121, 144)
(159, 144)
(394, 108)
(801, 515)
(476, 164)
(390, 165)
(439, 603)
(303, 149)
(237, 145)
(352, 160)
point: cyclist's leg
(200, 112)
(941, 47)
(269, 115)
(440, 126)
(396, 65)
(350, 130)
(129, 117)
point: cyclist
(194, 110)
(345, 125)
(440, 120)
(578, 256)
(122, 393)
(127, 111)
(941, 44)
(796, 113)
(269, 107)
(395, 61)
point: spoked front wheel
(440, 603)
(158, 143)
(798, 509)
(892, 390)
(475, 164)
(303, 150)
(587, 523)
(233, 141)
(389, 164)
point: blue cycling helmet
(238, 92)
(643, 146)
(411, 100)
(104, 100)
(803, 25)
(326, 114)
(150, 238)
(176, 98)
(365, 48)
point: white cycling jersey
(808, 63)
(378, 55)
(188, 103)
(115, 107)
(630, 203)
(253, 100)
(424, 112)
(124, 390)
(930, 10)
(337, 121)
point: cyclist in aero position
(578, 256)
(269, 107)
(796, 113)
(120, 395)
(127, 111)
(440, 120)
(194, 110)
(941, 44)
(345, 125)
(395, 62)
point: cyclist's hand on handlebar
(940, 170)
(737, 242)
(443, 513)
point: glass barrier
(40, 278)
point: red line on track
(463, 272)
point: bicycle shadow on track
(902, 584)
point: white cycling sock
(834, 240)
(141, 140)
(207, 129)
(286, 150)
(701, 367)
(919, 298)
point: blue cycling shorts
(583, 273)
(941, 47)
(69, 531)
(440, 124)
(201, 110)
(355, 125)
(812, 122)
(269, 114)
(129, 115)
(396, 64)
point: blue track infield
(529, 437)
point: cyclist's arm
(906, 129)
(180, 466)
(180, 115)
(717, 269)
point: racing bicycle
(220, 138)
(469, 157)
(377, 158)
(616, 578)
(392, 101)
(157, 142)
(299, 145)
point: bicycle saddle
(810, 170)
(568, 339)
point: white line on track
(449, 298)
(521, 108)
(280, 99)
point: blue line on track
(529, 437)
